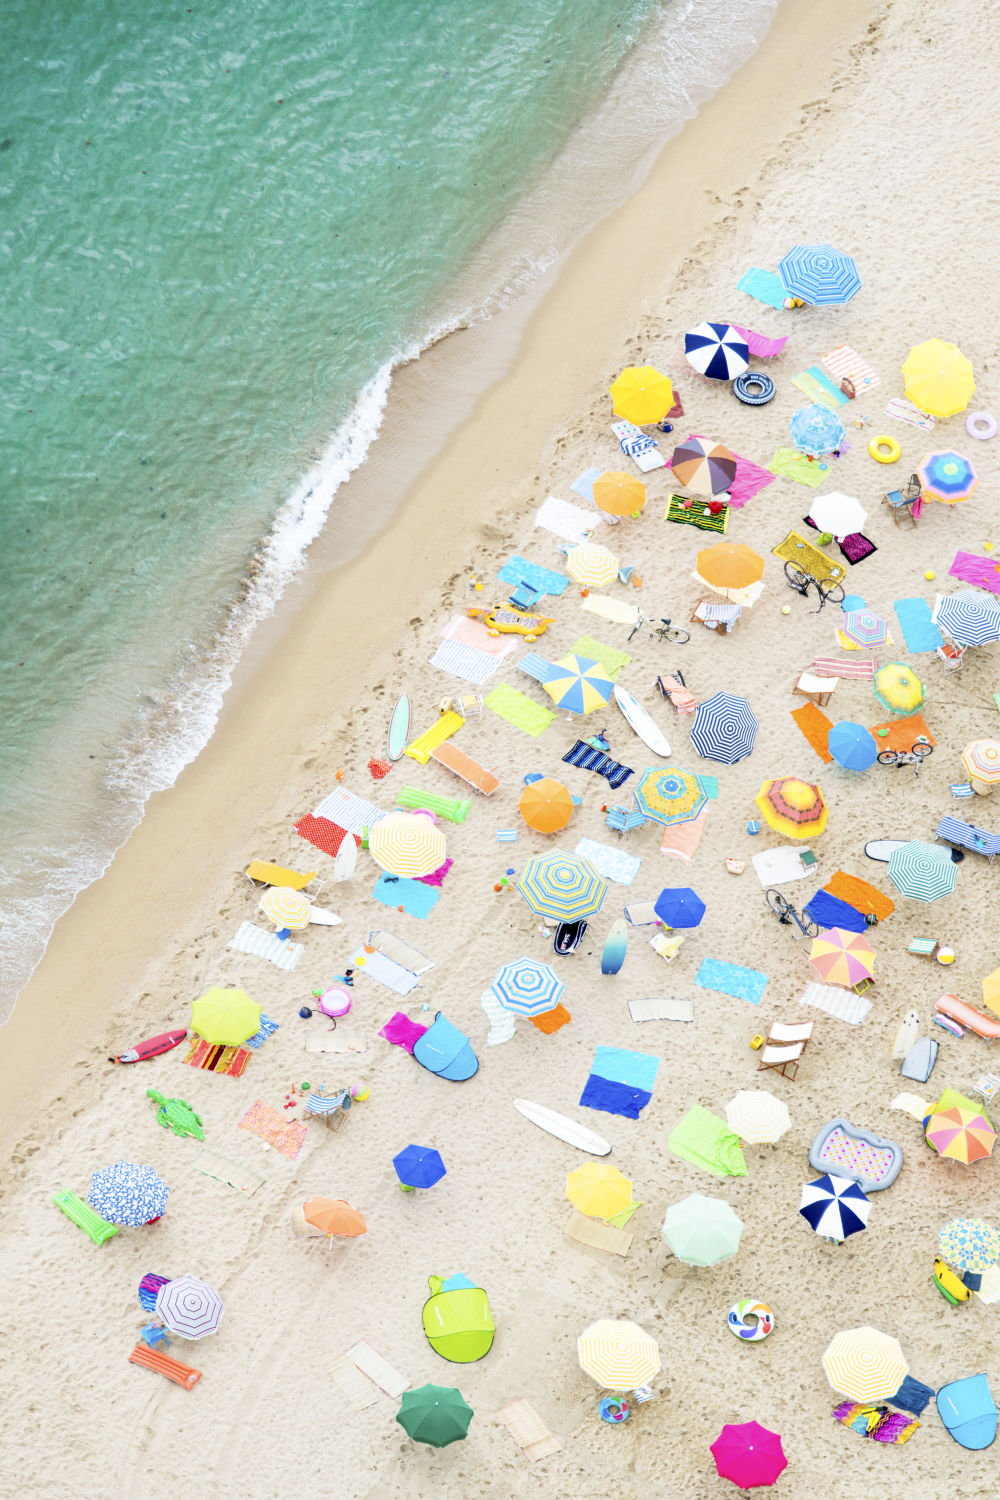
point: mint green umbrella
(702, 1231)
(435, 1414)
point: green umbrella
(435, 1414)
(702, 1231)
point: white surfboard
(906, 1036)
(564, 1128)
(398, 735)
(347, 858)
(639, 719)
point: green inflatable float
(457, 1320)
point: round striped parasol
(724, 729)
(970, 1244)
(864, 627)
(285, 907)
(407, 844)
(816, 430)
(834, 1207)
(864, 1364)
(819, 275)
(947, 476)
(717, 350)
(127, 1194)
(578, 684)
(926, 872)
(758, 1117)
(981, 758)
(618, 1354)
(968, 617)
(591, 565)
(561, 886)
(527, 987)
(669, 795)
(189, 1307)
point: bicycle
(913, 757)
(802, 582)
(786, 914)
(665, 631)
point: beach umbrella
(724, 729)
(334, 1216)
(127, 1194)
(852, 745)
(926, 872)
(816, 430)
(546, 805)
(679, 906)
(527, 987)
(981, 759)
(729, 565)
(970, 1244)
(749, 1455)
(939, 378)
(793, 807)
(418, 1166)
(969, 617)
(618, 1354)
(619, 494)
(286, 908)
(591, 565)
(864, 627)
(864, 1364)
(189, 1307)
(819, 275)
(960, 1134)
(598, 1190)
(562, 887)
(834, 1207)
(717, 350)
(407, 844)
(225, 1017)
(839, 514)
(706, 468)
(702, 1231)
(668, 795)
(642, 395)
(434, 1414)
(758, 1117)
(579, 684)
(841, 957)
(991, 991)
(947, 476)
(898, 688)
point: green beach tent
(457, 1320)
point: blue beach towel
(763, 286)
(412, 895)
(614, 1098)
(830, 911)
(620, 1082)
(917, 625)
(584, 486)
(518, 570)
(731, 979)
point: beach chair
(525, 596)
(952, 655)
(260, 872)
(923, 947)
(818, 690)
(330, 1108)
(905, 504)
(986, 1088)
(783, 1048)
(721, 618)
(673, 687)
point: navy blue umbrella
(679, 906)
(724, 729)
(717, 350)
(418, 1166)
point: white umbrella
(839, 514)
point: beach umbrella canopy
(852, 745)
(947, 476)
(864, 627)
(970, 1244)
(579, 684)
(334, 1216)
(642, 395)
(418, 1166)
(898, 688)
(864, 1364)
(793, 807)
(729, 565)
(960, 1134)
(717, 350)
(834, 1207)
(819, 275)
(285, 907)
(546, 805)
(749, 1455)
(434, 1414)
(619, 494)
(407, 844)
(816, 430)
(669, 795)
(127, 1194)
(939, 378)
(562, 886)
(591, 565)
(969, 617)
(724, 729)
(702, 1231)
(839, 514)
(926, 872)
(981, 759)
(225, 1017)
(706, 468)
(527, 987)
(598, 1190)
(841, 957)
(679, 906)
(189, 1307)
(618, 1354)
(758, 1117)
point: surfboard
(639, 719)
(152, 1047)
(398, 736)
(614, 948)
(883, 849)
(906, 1036)
(347, 858)
(564, 1128)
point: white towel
(837, 1002)
(778, 866)
(465, 661)
(905, 411)
(571, 522)
(348, 811)
(278, 951)
(661, 1010)
(384, 971)
(502, 1023)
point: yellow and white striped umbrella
(618, 1354)
(865, 1365)
(591, 564)
(285, 907)
(407, 844)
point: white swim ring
(981, 424)
(750, 1320)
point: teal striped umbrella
(561, 886)
(923, 871)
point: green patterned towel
(519, 710)
(698, 515)
(792, 463)
(611, 660)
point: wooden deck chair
(818, 690)
(716, 615)
(784, 1047)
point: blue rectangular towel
(584, 486)
(638, 1069)
(267, 1028)
(614, 1098)
(912, 1395)
(412, 895)
(731, 979)
(518, 570)
(917, 625)
(830, 911)
(763, 286)
(708, 784)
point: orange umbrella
(619, 494)
(546, 805)
(730, 565)
(334, 1216)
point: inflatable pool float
(754, 388)
(613, 1409)
(884, 449)
(981, 424)
(869, 1160)
(750, 1320)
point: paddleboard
(152, 1047)
(883, 849)
(398, 736)
(347, 858)
(639, 719)
(906, 1036)
(614, 948)
(565, 1129)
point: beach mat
(519, 570)
(829, 911)
(323, 834)
(902, 410)
(661, 1010)
(285, 1135)
(609, 657)
(223, 1169)
(795, 549)
(503, 1025)
(819, 388)
(507, 703)
(984, 572)
(859, 894)
(681, 840)
(815, 726)
(833, 666)
(778, 866)
(344, 1039)
(696, 513)
(598, 1236)
(731, 979)
(281, 952)
(528, 1430)
(415, 898)
(351, 812)
(791, 463)
(610, 863)
(750, 480)
(466, 662)
(358, 1392)
(763, 286)
(385, 1376)
(833, 1001)
(843, 362)
(552, 1020)
(917, 624)
(902, 733)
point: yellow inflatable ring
(878, 446)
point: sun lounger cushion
(446, 1051)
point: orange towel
(815, 725)
(551, 1020)
(902, 733)
(859, 894)
(681, 840)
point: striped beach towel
(834, 1001)
(961, 789)
(905, 411)
(352, 813)
(830, 666)
(843, 362)
(502, 1022)
(280, 952)
(589, 759)
(643, 450)
(465, 662)
(533, 665)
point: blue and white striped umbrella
(968, 617)
(717, 350)
(562, 886)
(816, 430)
(923, 871)
(527, 987)
(127, 1194)
(724, 729)
(819, 275)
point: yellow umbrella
(792, 807)
(225, 1017)
(286, 908)
(407, 844)
(591, 564)
(898, 688)
(619, 494)
(642, 395)
(618, 1354)
(729, 565)
(864, 1364)
(598, 1190)
(939, 378)
(981, 759)
(991, 991)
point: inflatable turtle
(176, 1115)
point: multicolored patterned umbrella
(225, 1017)
(970, 1244)
(835, 1207)
(819, 275)
(839, 514)
(642, 395)
(705, 468)
(591, 565)
(926, 872)
(724, 729)
(816, 430)
(127, 1194)
(758, 1117)
(285, 907)
(717, 350)
(939, 378)
(527, 987)
(864, 627)
(618, 1354)
(435, 1414)
(619, 494)
(598, 1190)
(898, 688)
(852, 745)
(947, 476)
(981, 759)
(702, 1231)
(748, 1455)
(729, 565)
(864, 1364)
(679, 906)
(960, 1134)
(668, 795)
(968, 617)
(793, 807)
(407, 844)
(579, 685)
(188, 1307)
(841, 957)
(562, 886)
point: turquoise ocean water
(221, 229)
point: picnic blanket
(620, 1082)
(519, 570)
(706, 1141)
(859, 894)
(833, 1001)
(901, 732)
(507, 703)
(814, 724)
(281, 952)
(610, 863)
(984, 572)
(763, 286)
(413, 896)
(829, 911)
(819, 388)
(795, 549)
(731, 979)
(696, 513)
(274, 1126)
(570, 522)
(791, 463)
(916, 621)
(681, 840)
(843, 362)
(610, 659)
(323, 833)
(352, 813)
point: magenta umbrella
(748, 1454)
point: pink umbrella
(748, 1454)
(842, 957)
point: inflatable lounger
(446, 1051)
(843, 1149)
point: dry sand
(861, 125)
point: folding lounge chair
(672, 686)
(906, 503)
(818, 689)
(330, 1108)
(715, 616)
(986, 1088)
(951, 654)
(784, 1048)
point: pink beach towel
(749, 477)
(984, 572)
(402, 1032)
(475, 633)
(759, 346)
(436, 877)
(681, 840)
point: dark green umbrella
(435, 1414)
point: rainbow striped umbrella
(970, 1244)
(189, 1307)
(981, 758)
(618, 1354)
(407, 844)
(864, 627)
(592, 565)
(864, 1364)
(527, 987)
(562, 887)
(947, 476)
(285, 907)
(578, 684)
(926, 872)
(841, 957)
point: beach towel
(551, 1020)
(984, 572)
(415, 898)
(323, 834)
(844, 1005)
(791, 463)
(859, 894)
(535, 666)
(610, 659)
(436, 877)
(466, 662)
(696, 513)
(609, 862)
(352, 813)
(569, 522)
(917, 624)
(503, 1024)
(617, 611)
(759, 345)
(731, 979)
(274, 1126)
(475, 633)
(843, 363)
(832, 666)
(528, 1430)
(637, 445)
(815, 725)
(661, 1010)
(232, 1173)
(519, 570)
(763, 286)
(346, 1038)
(214, 1059)
(281, 952)
(876, 1422)
(620, 1082)
(681, 840)
(598, 1236)
(507, 703)
(358, 1392)
(588, 759)
(778, 866)
(750, 480)
(912, 1395)
(905, 411)
(402, 1032)
(795, 549)
(267, 1028)
(902, 732)
(385, 971)
(378, 1370)
(830, 911)
(583, 485)
(855, 547)
(706, 1141)
(819, 388)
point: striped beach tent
(724, 729)
(618, 1354)
(717, 350)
